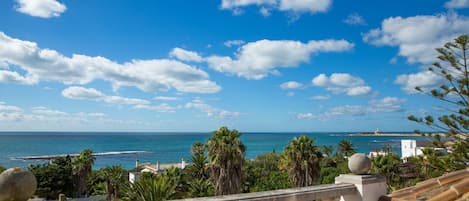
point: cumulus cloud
(44, 118)
(417, 36)
(297, 6)
(256, 60)
(355, 19)
(385, 105)
(41, 110)
(291, 85)
(210, 110)
(342, 83)
(82, 93)
(14, 77)
(147, 75)
(41, 8)
(231, 43)
(167, 98)
(426, 80)
(457, 4)
(163, 107)
(185, 55)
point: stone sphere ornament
(359, 164)
(17, 184)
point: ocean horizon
(162, 146)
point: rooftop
(449, 187)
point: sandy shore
(386, 134)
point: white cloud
(355, 19)
(147, 75)
(320, 97)
(163, 107)
(14, 77)
(342, 83)
(385, 105)
(41, 110)
(305, 116)
(298, 6)
(231, 43)
(43, 118)
(264, 11)
(9, 108)
(82, 93)
(290, 94)
(291, 85)
(211, 111)
(418, 36)
(167, 98)
(185, 55)
(425, 80)
(41, 8)
(457, 4)
(311, 6)
(255, 60)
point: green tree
(198, 148)
(158, 188)
(54, 178)
(302, 161)
(114, 177)
(197, 168)
(454, 91)
(263, 174)
(346, 148)
(82, 168)
(201, 188)
(2, 169)
(388, 166)
(226, 155)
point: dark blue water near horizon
(163, 147)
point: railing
(292, 194)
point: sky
(193, 66)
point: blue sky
(253, 65)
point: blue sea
(163, 147)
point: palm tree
(82, 167)
(198, 148)
(302, 161)
(226, 157)
(114, 176)
(197, 168)
(346, 148)
(200, 188)
(327, 150)
(150, 189)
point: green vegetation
(301, 161)
(226, 157)
(2, 169)
(54, 178)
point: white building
(409, 149)
(154, 169)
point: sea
(162, 147)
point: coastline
(387, 134)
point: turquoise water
(165, 147)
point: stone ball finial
(359, 164)
(17, 184)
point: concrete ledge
(360, 179)
(291, 194)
